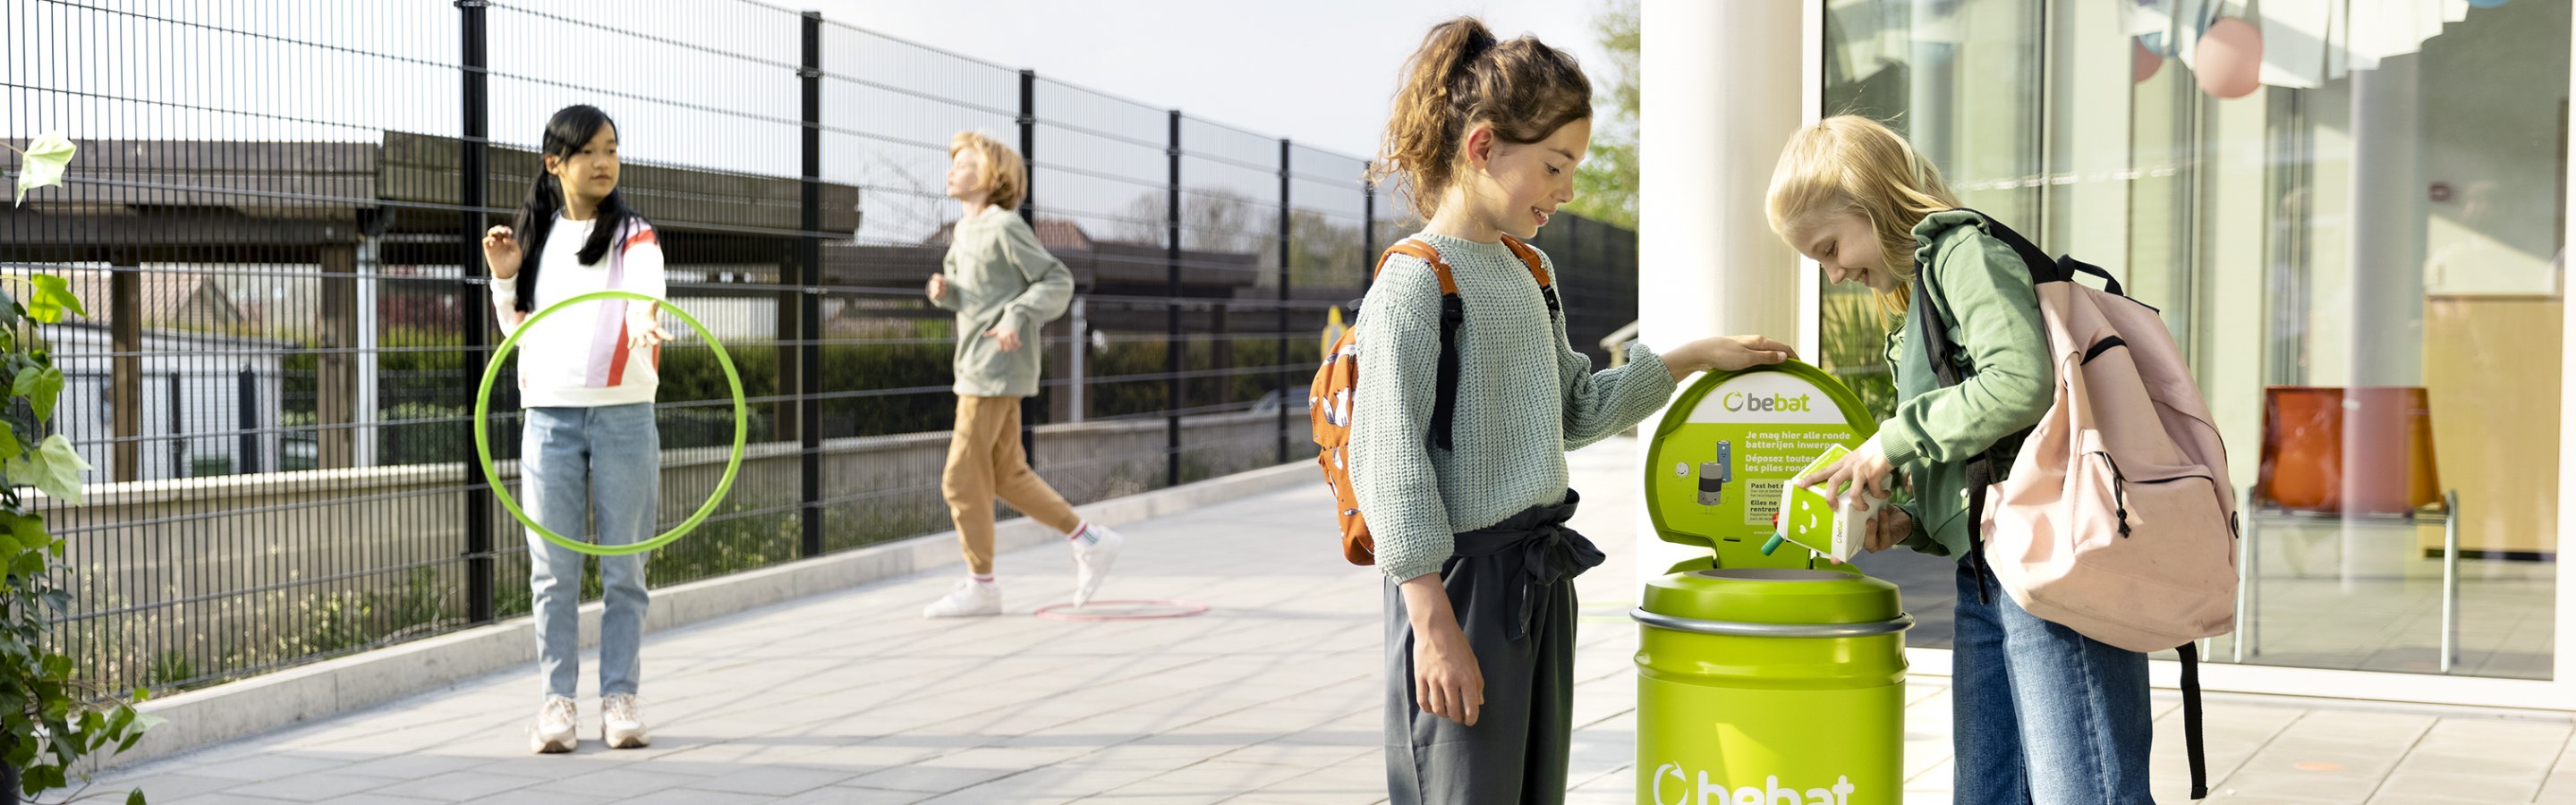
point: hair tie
(1478, 43)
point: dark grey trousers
(1512, 587)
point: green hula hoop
(492, 476)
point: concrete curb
(202, 718)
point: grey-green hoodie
(999, 276)
(1991, 311)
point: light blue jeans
(2043, 715)
(578, 467)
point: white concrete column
(2388, 221)
(1727, 83)
(2385, 317)
(2563, 647)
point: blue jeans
(2043, 715)
(578, 466)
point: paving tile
(460, 787)
(311, 787)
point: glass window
(2363, 257)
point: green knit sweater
(1525, 397)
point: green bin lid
(1773, 595)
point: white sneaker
(1093, 553)
(556, 721)
(971, 598)
(621, 721)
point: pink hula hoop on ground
(1180, 609)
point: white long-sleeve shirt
(581, 357)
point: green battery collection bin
(1762, 679)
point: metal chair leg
(2450, 580)
(2245, 640)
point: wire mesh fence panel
(274, 224)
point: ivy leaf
(44, 778)
(42, 387)
(135, 798)
(53, 468)
(53, 296)
(43, 162)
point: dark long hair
(566, 133)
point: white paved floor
(1271, 697)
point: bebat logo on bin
(1740, 401)
(1715, 792)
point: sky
(1315, 71)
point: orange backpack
(1330, 403)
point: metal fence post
(179, 467)
(1030, 407)
(1368, 234)
(1280, 361)
(246, 414)
(1172, 346)
(480, 563)
(809, 309)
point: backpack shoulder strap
(1453, 312)
(1421, 251)
(1529, 257)
(2044, 268)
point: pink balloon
(2143, 63)
(2230, 63)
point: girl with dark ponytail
(589, 453)
(1469, 519)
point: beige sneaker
(621, 721)
(553, 732)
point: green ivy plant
(43, 162)
(49, 720)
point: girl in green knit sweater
(1469, 520)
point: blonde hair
(1006, 176)
(1847, 165)
(1462, 76)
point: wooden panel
(2492, 366)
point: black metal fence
(274, 221)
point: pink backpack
(2118, 520)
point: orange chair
(2347, 454)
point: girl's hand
(1890, 526)
(1726, 353)
(501, 252)
(645, 332)
(1007, 340)
(1865, 470)
(1446, 681)
(938, 286)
